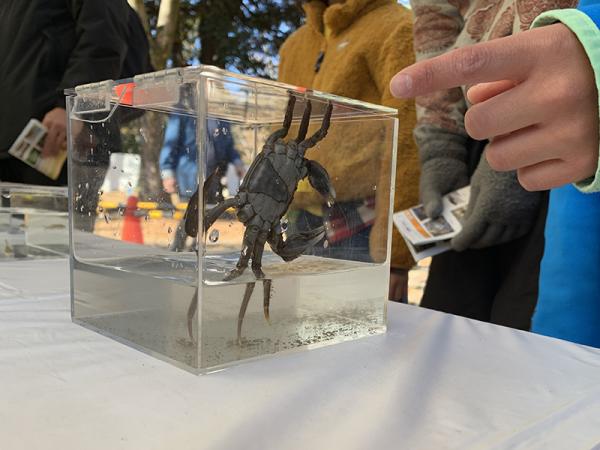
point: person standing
(46, 47)
(178, 162)
(492, 273)
(353, 48)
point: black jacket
(47, 46)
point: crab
(263, 198)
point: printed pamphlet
(428, 237)
(28, 148)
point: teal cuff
(588, 34)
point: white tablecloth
(432, 382)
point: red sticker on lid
(125, 93)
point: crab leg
(305, 122)
(190, 314)
(248, 244)
(214, 213)
(243, 308)
(320, 134)
(267, 298)
(287, 122)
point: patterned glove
(443, 166)
(499, 210)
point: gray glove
(499, 209)
(443, 166)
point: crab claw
(297, 244)
(319, 179)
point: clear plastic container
(146, 273)
(33, 222)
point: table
(434, 381)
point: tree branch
(166, 31)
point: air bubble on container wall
(213, 236)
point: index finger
(506, 58)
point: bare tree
(166, 32)
(161, 42)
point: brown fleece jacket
(365, 43)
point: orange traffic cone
(132, 227)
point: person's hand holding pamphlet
(28, 148)
(428, 237)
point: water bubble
(284, 225)
(216, 132)
(87, 185)
(213, 236)
(146, 217)
(121, 211)
(375, 187)
(325, 243)
(100, 192)
(169, 230)
(129, 183)
(114, 167)
(100, 209)
(329, 203)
